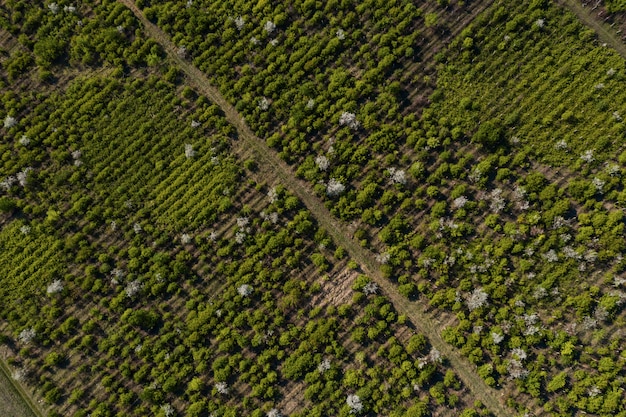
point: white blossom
(54, 287)
(54, 8)
(519, 354)
(242, 221)
(349, 119)
(370, 288)
(475, 175)
(189, 3)
(272, 194)
(8, 182)
(617, 116)
(24, 140)
(550, 256)
(213, 236)
(25, 229)
(239, 22)
(598, 184)
(497, 338)
(322, 162)
(195, 123)
(113, 225)
(245, 290)
(340, 34)
(120, 29)
(222, 388)
(323, 366)
(540, 293)
(185, 238)
(269, 27)
(167, 409)
(274, 413)
(182, 51)
(254, 40)
(516, 369)
(477, 299)
(27, 335)
(334, 188)
(383, 258)
(610, 72)
(561, 145)
(434, 356)
(540, 23)
(22, 176)
(132, 288)
(19, 374)
(189, 152)
(594, 391)
(310, 104)
(613, 169)
(599, 86)
(497, 201)
(587, 156)
(397, 176)
(69, 9)
(459, 202)
(274, 42)
(589, 323)
(355, 404)
(264, 104)
(240, 237)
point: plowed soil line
(274, 170)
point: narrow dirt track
(273, 169)
(604, 34)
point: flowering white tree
(497, 338)
(269, 27)
(397, 176)
(355, 404)
(9, 122)
(340, 34)
(132, 288)
(239, 22)
(168, 410)
(264, 104)
(137, 228)
(195, 124)
(323, 366)
(54, 8)
(322, 162)
(245, 290)
(477, 299)
(25, 229)
(24, 140)
(540, 23)
(189, 152)
(222, 388)
(349, 119)
(55, 287)
(27, 335)
(587, 156)
(334, 188)
(22, 176)
(185, 238)
(274, 413)
(370, 288)
(459, 202)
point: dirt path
(274, 170)
(604, 34)
(14, 400)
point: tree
(490, 134)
